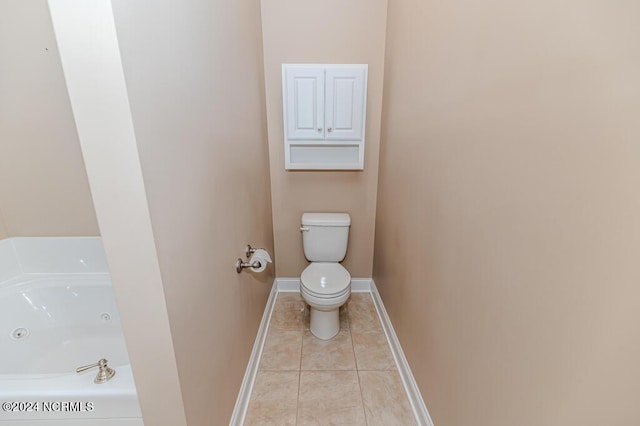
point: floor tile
(274, 399)
(330, 398)
(372, 351)
(282, 350)
(290, 296)
(348, 380)
(334, 354)
(360, 298)
(385, 401)
(288, 314)
(362, 313)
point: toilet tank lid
(326, 219)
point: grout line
(378, 370)
(324, 370)
(298, 399)
(327, 369)
(353, 345)
(300, 365)
(364, 412)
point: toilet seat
(321, 297)
(325, 280)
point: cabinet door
(345, 102)
(304, 102)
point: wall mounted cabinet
(324, 116)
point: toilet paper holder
(248, 251)
(252, 262)
(240, 265)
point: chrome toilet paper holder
(248, 251)
(240, 265)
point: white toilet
(325, 284)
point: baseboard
(242, 403)
(358, 285)
(411, 387)
(288, 285)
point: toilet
(325, 284)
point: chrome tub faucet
(105, 373)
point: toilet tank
(325, 236)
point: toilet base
(325, 313)
(325, 325)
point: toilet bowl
(325, 287)
(325, 284)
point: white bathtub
(58, 312)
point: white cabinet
(324, 116)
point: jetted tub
(57, 313)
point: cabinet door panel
(304, 103)
(345, 97)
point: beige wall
(330, 31)
(195, 81)
(43, 183)
(507, 230)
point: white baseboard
(358, 285)
(411, 387)
(242, 403)
(288, 285)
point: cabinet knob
(329, 130)
(319, 129)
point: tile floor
(349, 380)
